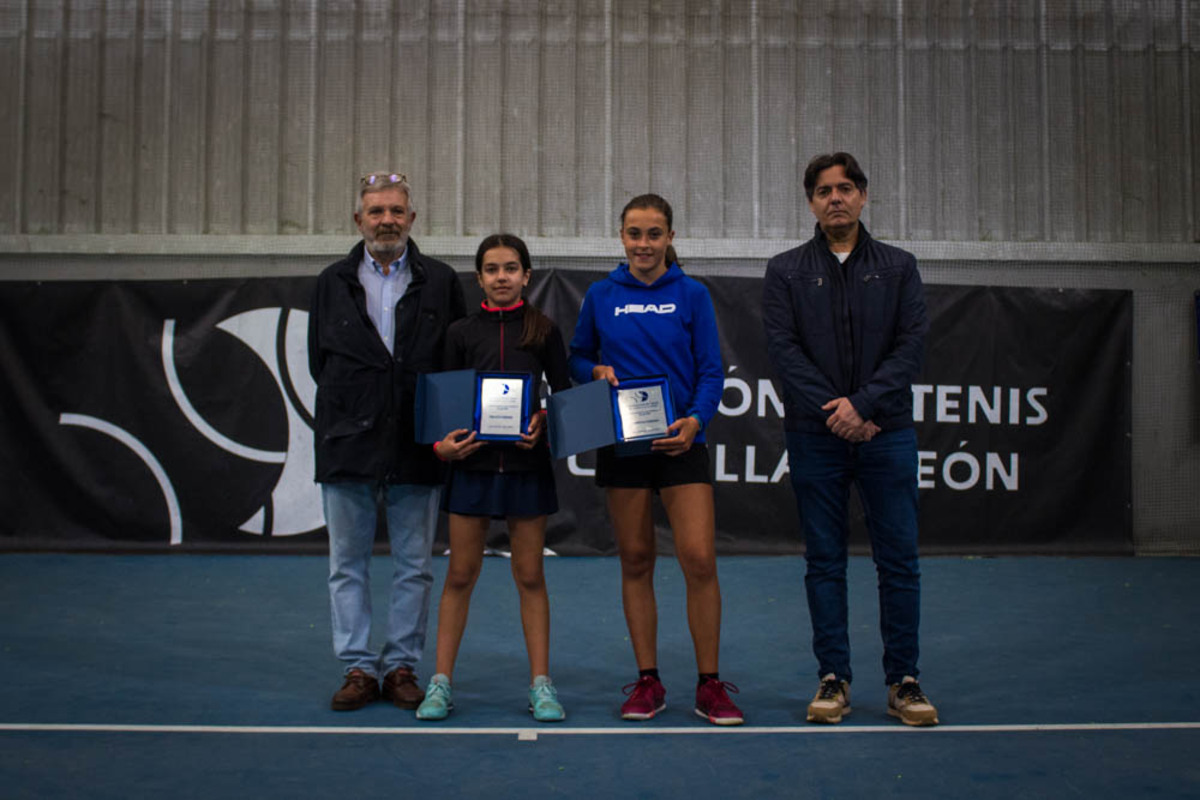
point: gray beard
(386, 254)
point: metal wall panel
(446, 110)
(347, 77)
(1023, 120)
(553, 201)
(591, 97)
(13, 43)
(486, 115)
(41, 168)
(152, 159)
(188, 118)
(117, 130)
(738, 196)
(777, 112)
(703, 61)
(79, 156)
(297, 121)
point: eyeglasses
(382, 179)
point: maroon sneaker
(358, 690)
(647, 697)
(714, 704)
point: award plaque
(642, 408)
(502, 405)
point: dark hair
(825, 161)
(657, 203)
(537, 325)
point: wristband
(436, 453)
(699, 421)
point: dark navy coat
(364, 415)
(855, 330)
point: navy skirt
(500, 494)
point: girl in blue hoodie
(648, 318)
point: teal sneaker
(543, 701)
(437, 703)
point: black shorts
(652, 471)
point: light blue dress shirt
(383, 292)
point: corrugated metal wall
(977, 120)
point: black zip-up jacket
(854, 330)
(489, 340)
(364, 420)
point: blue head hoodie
(665, 328)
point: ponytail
(536, 328)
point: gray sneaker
(909, 703)
(831, 702)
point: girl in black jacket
(496, 480)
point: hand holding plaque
(533, 434)
(680, 435)
(456, 445)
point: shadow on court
(210, 676)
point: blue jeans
(822, 468)
(412, 517)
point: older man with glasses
(378, 320)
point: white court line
(528, 733)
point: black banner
(177, 414)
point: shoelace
(545, 693)
(911, 692)
(438, 690)
(830, 689)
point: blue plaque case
(444, 403)
(585, 417)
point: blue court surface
(190, 676)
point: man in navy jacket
(378, 320)
(845, 325)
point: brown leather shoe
(358, 690)
(400, 687)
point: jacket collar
(863, 237)
(348, 268)
(484, 307)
